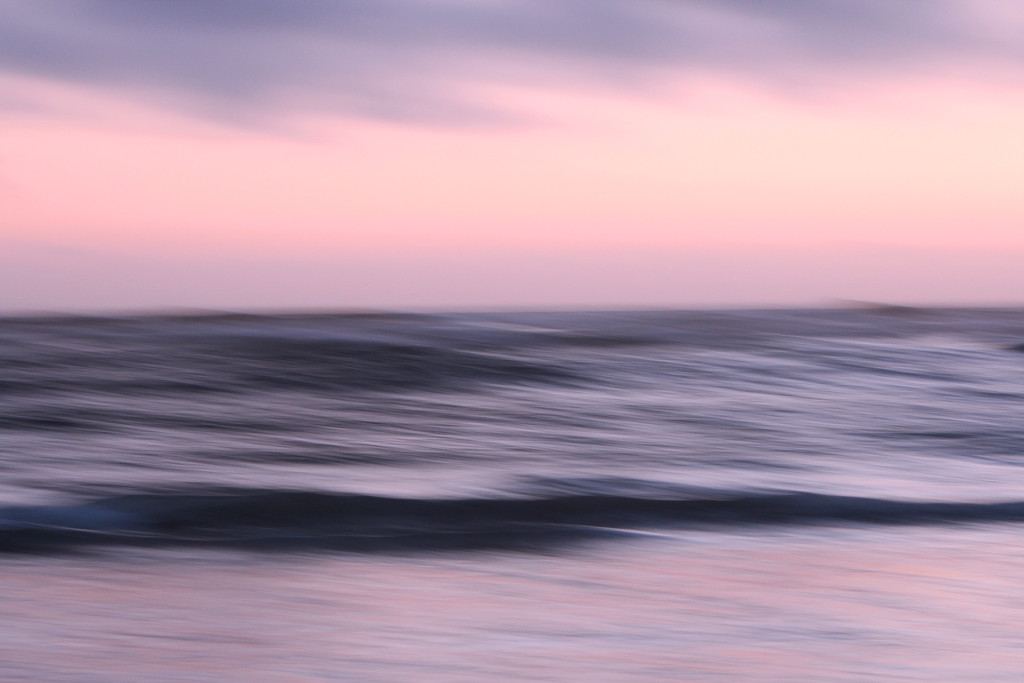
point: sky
(475, 154)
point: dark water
(752, 495)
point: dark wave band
(296, 520)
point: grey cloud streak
(421, 60)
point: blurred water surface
(653, 495)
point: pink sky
(707, 189)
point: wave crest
(261, 519)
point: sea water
(649, 495)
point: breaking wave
(305, 520)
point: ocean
(780, 495)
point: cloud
(424, 61)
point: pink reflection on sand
(819, 603)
